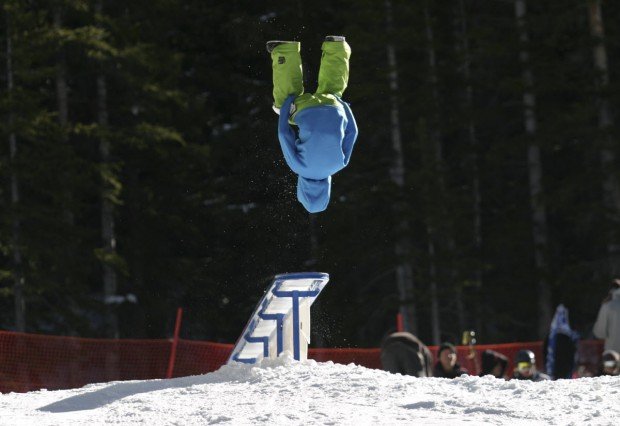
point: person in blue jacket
(317, 131)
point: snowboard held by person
(317, 131)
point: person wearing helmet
(610, 363)
(525, 367)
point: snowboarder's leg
(287, 71)
(334, 71)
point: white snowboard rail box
(281, 320)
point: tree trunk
(107, 207)
(611, 188)
(435, 235)
(18, 275)
(313, 249)
(311, 264)
(435, 320)
(475, 171)
(402, 249)
(539, 216)
(63, 110)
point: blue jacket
(326, 138)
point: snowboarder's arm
(287, 137)
(350, 133)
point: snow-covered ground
(284, 392)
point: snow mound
(287, 392)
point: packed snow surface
(285, 392)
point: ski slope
(285, 392)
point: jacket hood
(314, 194)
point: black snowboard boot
(271, 44)
(334, 38)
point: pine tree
(539, 219)
(16, 240)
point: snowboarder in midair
(325, 131)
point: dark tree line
(140, 169)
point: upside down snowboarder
(325, 133)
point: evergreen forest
(140, 169)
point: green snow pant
(288, 74)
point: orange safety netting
(30, 361)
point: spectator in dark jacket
(447, 366)
(404, 353)
(494, 364)
(526, 367)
